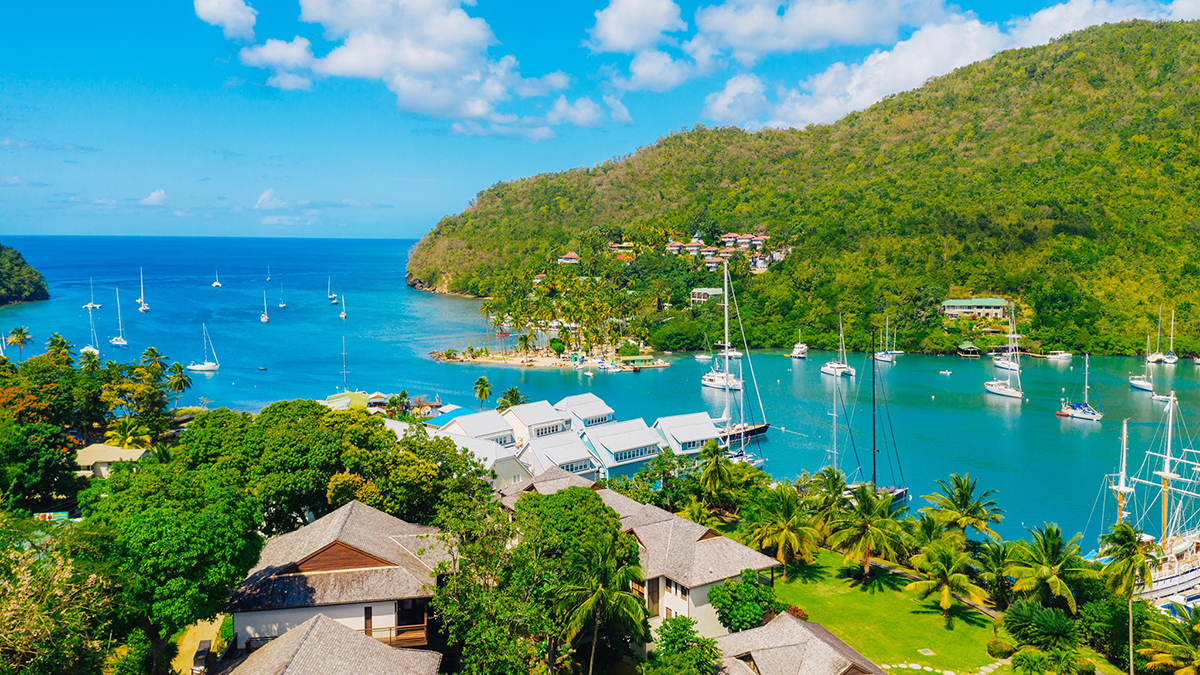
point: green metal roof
(976, 302)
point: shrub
(1085, 667)
(557, 346)
(1030, 662)
(628, 349)
(744, 602)
(1063, 662)
(1000, 649)
(1042, 627)
(797, 612)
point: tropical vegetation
(19, 282)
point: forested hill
(18, 281)
(1064, 175)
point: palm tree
(153, 360)
(511, 396)
(19, 338)
(599, 590)
(127, 432)
(483, 391)
(868, 528)
(1044, 566)
(958, 507)
(992, 562)
(178, 380)
(89, 362)
(829, 498)
(524, 343)
(1130, 561)
(945, 564)
(716, 473)
(1174, 645)
(698, 513)
(58, 346)
(782, 524)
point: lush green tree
(18, 281)
(781, 525)
(992, 562)
(742, 603)
(868, 528)
(511, 397)
(127, 432)
(827, 489)
(679, 650)
(1173, 644)
(483, 390)
(1045, 565)
(37, 467)
(58, 346)
(1130, 560)
(153, 359)
(959, 508)
(716, 470)
(178, 381)
(1046, 628)
(19, 338)
(698, 513)
(944, 565)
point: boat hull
(203, 367)
(1003, 388)
(1141, 385)
(835, 369)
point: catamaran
(1081, 411)
(1170, 358)
(799, 350)
(838, 367)
(92, 302)
(206, 366)
(282, 304)
(1005, 387)
(722, 378)
(119, 341)
(329, 291)
(343, 312)
(91, 347)
(142, 306)
(1143, 382)
(264, 318)
(1157, 355)
(216, 279)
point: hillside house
(699, 296)
(494, 457)
(693, 247)
(535, 420)
(687, 434)
(565, 451)
(985, 308)
(622, 447)
(569, 258)
(788, 646)
(96, 460)
(674, 248)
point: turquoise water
(1044, 467)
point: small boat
(743, 457)
(329, 291)
(1171, 358)
(142, 306)
(119, 341)
(1059, 356)
(1141, 382)
(1005, 387)
(92, 302)
(838, 367)
(1156, 356)
(343, 312)
(91, 347)
(264, 318)
(704, 356)
(799, 350)
(282, 304)
(719, 379)
(268, 279)
(262, 367)
(731, 353)
(1005, 362)
(741, 431)
(1081, 411)
(206, 366)
(216, 279)
(1161, 397)
(885, 355)
(943, 372)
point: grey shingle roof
(412, 550)
(788, 646)
(321, 646)
(548, 482)
(688, 553)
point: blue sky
(374, 118)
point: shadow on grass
(811, 573)
(958, 613)
(876, 581)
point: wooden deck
(416, 635)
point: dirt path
(205, 630)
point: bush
(797, 612)
(557, 346)
(743, 603)
(1030, 662)
(1042, 627)
(1085, 667)
(628, 349)
(1000, 649)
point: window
(577, 467)
(668, 613)
(677, 589)
(637, 453)
(638, 588)
(516, 477)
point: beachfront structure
(585, 410)
(699, 296)
(681, 561)
(498, 459)
(622, 447)
(487, 426)
(990, 308)
(786, 645)
(322, 645)
(564, 451)
(687, 434)
(535, 420)
(361, 567)
(96, 460)
(569, 258)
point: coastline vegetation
(19, 282)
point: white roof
(99, 452)
(396, 426)
(487, 452)
(690, 427)
(556, 450)
(584, 406)
(480, 424)
(536, 413)
(619, 436)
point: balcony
(413, 635)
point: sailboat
(119, 341)
(799, 350)
(1005, 387)
(328, 291)
(216, 279)
(282, 304)
(838, 367)
(1081, 411)
(264, 318)
(206, 366)
(885, 355)
(1143, 382)
(93, 340)
(343, 312)
(268, 272)
(722, 378)
(1157, 355)
(1009, 359)
(92, 302)
(142, 306)
(1170, 358)
(705, 355)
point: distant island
(1062, 177)
(18, 281)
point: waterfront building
(96, 460)
(989, 308)
(361, 567)
(687, 434)
(622, 447)
(535, 420)
(564, 451)
(500, 460)
(487, 425)
(786, 645)
(699, 296)
(585, 410)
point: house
(729, 239)
(584, 410)
(534, 420)
(699, 296)
(361, 567)
(687, 434)
(321, 645)
(709, 252)
(569, 258)
(621, 247)
(494, 457)
(788, 646)
(727, 252)
(565, 451)
(622, 447)
(713, 264)
(487, 425)
(674, 248)
(693, 247)
(745, 241)
(96, 460)
(990, 308)
(539, 279)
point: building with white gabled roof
(564, 451)
(535, 420)
(488, 425)
(585, 410)
(623, 447)
(687, 434)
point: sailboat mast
(874, 452)
(1158, 339)
(1171, 348)
(725, 298)
(1166, 472)
(345, 386)
(1122, 488)
(1087, 364)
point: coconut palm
(945, 564)
(828, 497)
(1045, 565)
(483, 391)
(178, 380)
(89, 362)
(716, 472)
(511, 397)
(127, 432)
(599, 590)
(1128, 567)
(868, 528)
(782, 524)
(58, 346)
(524, 343)
(153, 360)
(19, 338)
(698, 513)
(926, 530)
(958, 507)
(1173, 645)
(992, 561)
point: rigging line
(1103, 487)
(850, 433)
(742, 329)
(887, 410)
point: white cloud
(267, 201)
(629, 26)
(584, 112)
(282, 220)
(742, 100)
(289, 82)
(617, 110)
(546, 84)
(279, 54)
(156, 198)
(1074, 15)
(533, 132)
(235, 17)
(655, 70)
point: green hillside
(18, 281)
(1064, 176)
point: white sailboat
(722, 378)
(216, 279)
(119, 341)
(838, 367)
(142, 306)
(268, 272)
(329, 291)
(1009, 359)
(264, 318)
(282, 304)
(92, 302)
(93, 340)
(343, 312)
(885, 355)
(1156, 356)
(1005, 387)
(1170, 358)
(1081, 411)
(206, 366)
(1143, 382)
(799, 350)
